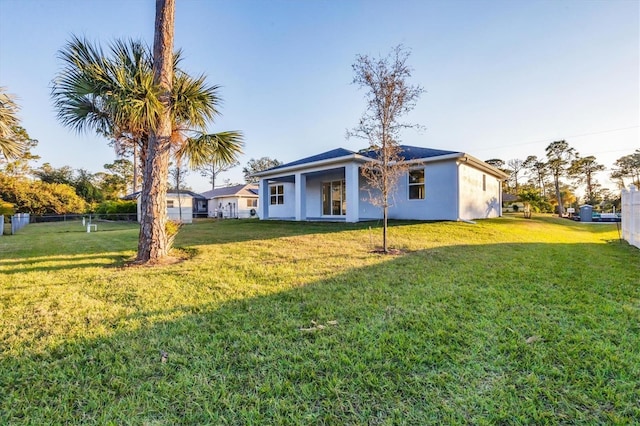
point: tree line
(550, 183)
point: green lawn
(508, 321)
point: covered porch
(330, 193)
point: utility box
(586, 213)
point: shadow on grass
(54, 239)
(524, 333)
(58, 263)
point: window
(277, 194)
(416, 184)
(169, 204)
(484, 182)
(252, 203)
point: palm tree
(115, 96)
(10, 146)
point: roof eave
(351, 157)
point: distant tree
(38, 198)
(20, 166)
(583, 170)
(500, 165)
(559, 157)
(255, 166)
(212, 170)
(84, 184)
(515, 166)
(537, 172)
(49, 174)
(389, 97)
(11, 145)
(496, 162)
(119, 175)
(627, 166)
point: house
(440, 185)
(238, 201)
(182, 206)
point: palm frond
(215, 148)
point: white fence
(18, 221)
(631, 216)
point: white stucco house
(182, 206)
(440, 185)
(238, 201)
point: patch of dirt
(389, 252)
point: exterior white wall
(286, 210)
(476, 203)
(366, 208)
(173, 213)
(186, 206)
(238, 208)
(439, 202)
(631, 216)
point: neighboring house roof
(132, 196)
(409, 153)
(245, 190)
(509, 197)
(184, 192)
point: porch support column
(351, 181)
(263, 199)
(301, 196)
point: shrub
(116, 207)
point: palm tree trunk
(135, 167)
(152, 242)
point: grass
(508, 321)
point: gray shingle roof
(244, 189)
(334, 153)
(407, 152)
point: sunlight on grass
(505, 321)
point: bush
(514, 207)
(117, 207)
(6, 208)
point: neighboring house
(509, 201)
(182, 207)
(238, 201)
(440, 185)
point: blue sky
(503, 79)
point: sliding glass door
(334, 198)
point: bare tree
(389, 96)
(515, 167)
(213, 169)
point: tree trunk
(559, 198)
(152, 242)
(135, 167)
(385, 249)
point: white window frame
(276, 197)
(415, 184)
